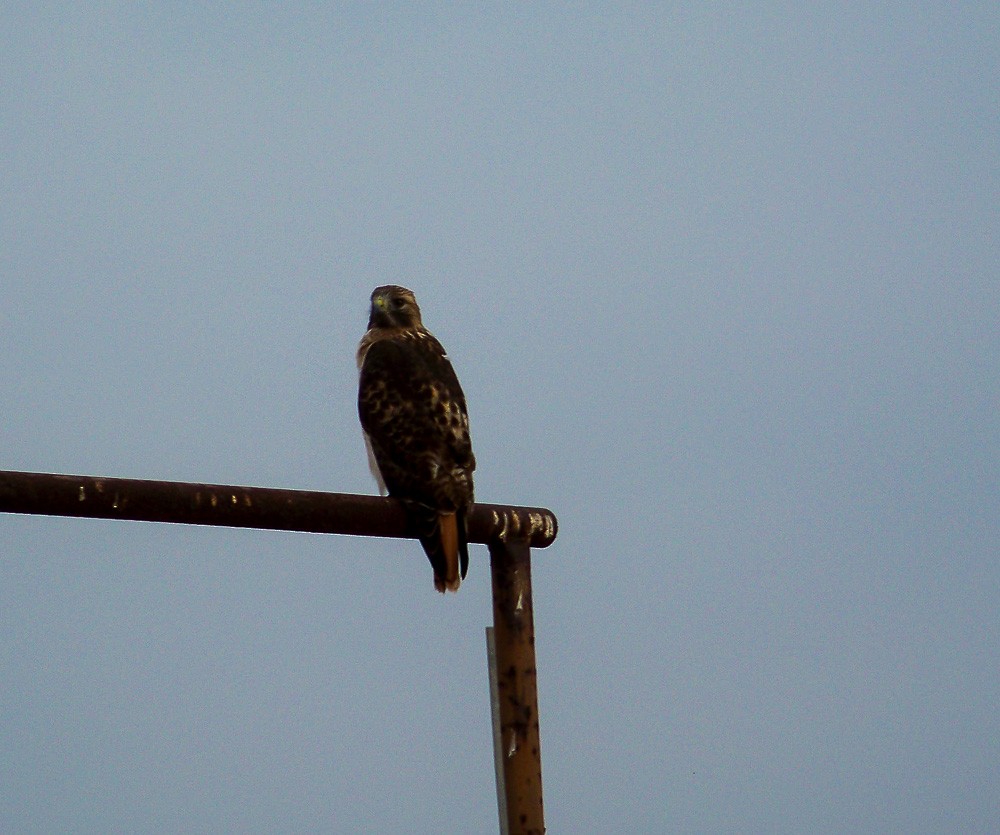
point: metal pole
(514, 637)
(248, 507)
(510, 533)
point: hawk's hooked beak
(379, 315)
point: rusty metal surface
(249, 507)
(517, 689)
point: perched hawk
(416, 427)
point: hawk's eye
(398, 303)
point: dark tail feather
(445, 541)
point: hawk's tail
(445, 540)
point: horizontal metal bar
(250, 507)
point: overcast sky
(721, 285)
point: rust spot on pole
(514, 636)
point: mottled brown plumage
(416, 426)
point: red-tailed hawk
(416, 427)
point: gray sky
(722, 289)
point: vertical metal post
(514, 638)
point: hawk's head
(393, 307)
